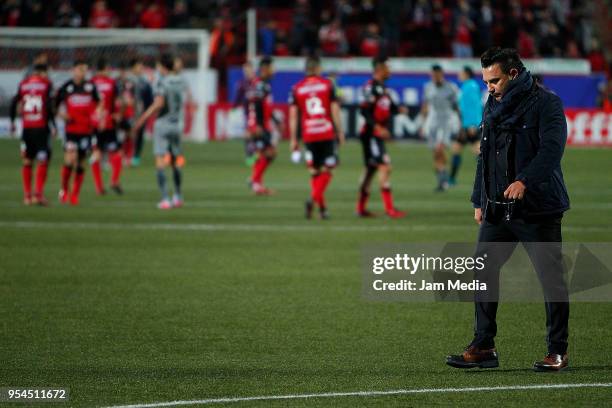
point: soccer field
(240, 296)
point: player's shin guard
(41, 178)
(362, 201)
(161, 182)
(26, 177)
(96, 172)
(442, 176)
(116, 162)
(258, 170)
(455, 164)
(65, 177)
(76, 187)
(128, 148)
(387, 198)
(177, 177)
(314, 188)
(324, 179)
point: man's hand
(341, 138)
(13, 130)
(294, 146)
(403, 110)
(478, 215)
(515, 191)
(134, 132)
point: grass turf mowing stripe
(317, 227)
(247, 206)
(365, 394)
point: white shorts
(437, 135)
(166, 138)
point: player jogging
(314, 106)
(377, 108)
(439, 107)
(81, 102)
(105, 139)
(33, 101)
(169, 98)
(259, 126)
(470, 107)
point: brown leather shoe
(552, 362)
(474, 357)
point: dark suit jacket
(539, 138)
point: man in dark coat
(519, 196)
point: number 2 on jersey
(314, 106)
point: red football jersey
(34, 98)
(259, 105)
(377, 106)
(81, 101)
(313, 97)
(107, 91)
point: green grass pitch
(237, 296)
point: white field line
(315, 227)
(366, 394)
(232, 188)
(248, 205)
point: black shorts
(374, 151)
(106, 141)
(321, 154)
(126, 124)
(469, 135)
(80, 143)
(262, 141)
(35, 144)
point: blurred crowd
(449, 28)
(97, 13)
(461, 28)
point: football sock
(456, 162)
(324, 179)
(161, 182)
(178, 178)
(78, 181)
(442, 177)
(116, 162)
(128, 148)
(96, 172)
(258, 170)
(41, 177)
(26, 176)
(65, 176)
(387, 198)
(362, 202)
(313, 187)
(138, 143)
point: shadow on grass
(571, 369)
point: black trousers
(548, 265)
